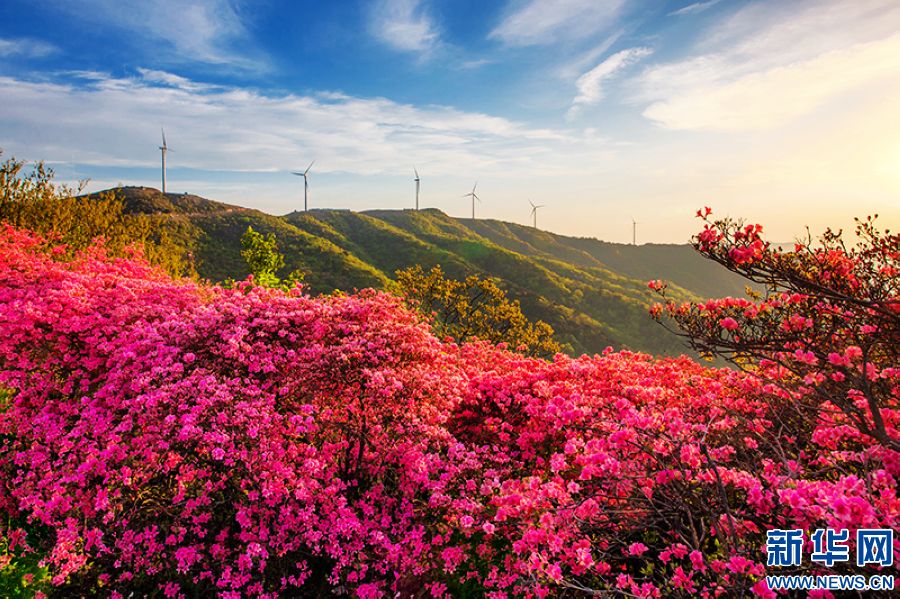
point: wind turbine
(633, 231)
(474, 197)
(305, 175)
(163, 148)
(417, 187)
(534, 210)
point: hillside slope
(593, 293)
(212, 232)
(678, 263)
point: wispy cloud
(778, 95)
(404, 25)
(590, 84)
(540, 22)
(114, 121)
(202, 31)
(161, 77)
(85, 75)
(764, 66)
(574, 68)
(26, 48)
(476, 63)
(696, 7)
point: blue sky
(778, 112)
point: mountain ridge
(592, 292)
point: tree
(262, 256)
(474, 308)
(826, 329)
(31, 200)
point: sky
(605, 111)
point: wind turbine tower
(305, 175)
(633, 231)
(163, 148)
(474, 197)
(534, 210)
(417, 187)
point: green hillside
(593, 293)
(212, 231)
(673, 262)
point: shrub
(474, 308)
(262, 256)
(827, 328)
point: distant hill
(593, 293)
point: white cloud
(590, 84)
(26, 47)
(574, 68)
(164, 78)
(766, 65)
(404, 25)
(205, 31)
(776, 96)
(696, 7)
(86, 75)
(476, 63)
(115, 121)
(541, 22)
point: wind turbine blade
(309, 167)
(163, 131)
(298, 174)
(416, 172)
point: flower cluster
(168, 437)
(824, 328)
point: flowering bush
(165, 437)
(828, 327)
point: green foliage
(21, 574)
(262, 256)
(474, 308)
(31, 200)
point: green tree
(30, 200)
(264, 260)
(474, 308)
